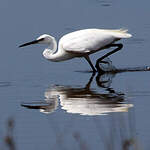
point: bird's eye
(41, 39)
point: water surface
(70, 109)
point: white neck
(50, 52)
(53, 45)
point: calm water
(56, 105)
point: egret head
(43, 39)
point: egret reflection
(83, 100)
(48, 106)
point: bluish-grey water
(70, 109)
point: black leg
(89, 61)
(119, 46)
(87, 86)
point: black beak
(32, 42)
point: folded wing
(90, 40)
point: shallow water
(61, 105)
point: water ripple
(5, 84)
(105, 3)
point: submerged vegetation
(9, 139)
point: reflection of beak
(32, 42)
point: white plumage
(90, 40)
(80, 43)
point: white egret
(81, 43)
